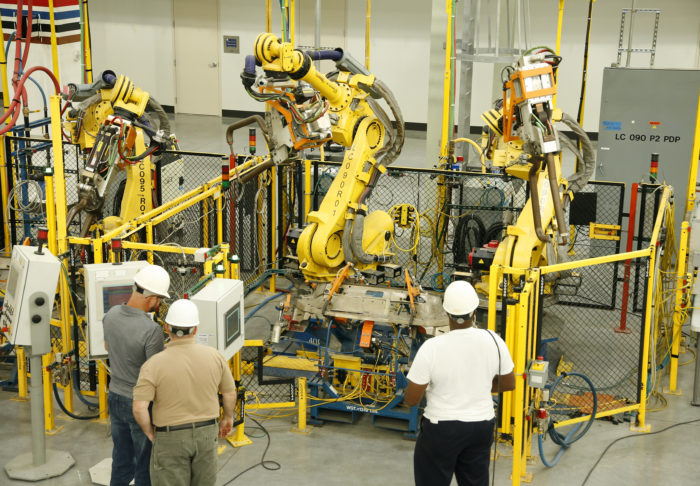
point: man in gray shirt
(131, 337)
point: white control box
(30, 273)
(106, 285)
(221, 315)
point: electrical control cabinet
(221, 315)
(645, 111)
(106, 285)
(29, 297)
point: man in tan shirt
(183, 383)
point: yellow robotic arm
(522, 140)
(106, 120)
(338, 232)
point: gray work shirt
(132, 337)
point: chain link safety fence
(27, 158)
(446, 214)
(263, 388)
(602, 340)
(175, 173)
(440, 215)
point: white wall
(135, 37)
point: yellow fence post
(61, 230)
(88, 43)
(49, 424)
(522, 315)
(238, 439)
(54, 43)
(302, 427)
(693, 171)
(102, 389)
(4, 184)
(650, 278)
(21, 374)
(678, 309)
(219, 219)
(205, 223)
(235, 272)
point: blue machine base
(392, 417)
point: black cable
(584, 74)
(76, 380)
(630, 436)
(269, 465)
(71, 415)
(469, 233)
(495, 231)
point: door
(197, 72)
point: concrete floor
(340, 454)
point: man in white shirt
(458, 371)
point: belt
(191, 425)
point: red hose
(18, 47)
(14, 106)
(20, 62)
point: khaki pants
(185, 457)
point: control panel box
(106, 285)
(221, 316)
(645, 112)
(32, 276)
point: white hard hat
(183, 313)
(154, 279)
(460, 298)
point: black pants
(453, 447)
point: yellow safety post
(61, 230)
(54, 42)
(65, 341)
(268, 16)
(205, 223)
(302, 427)
(3, 159)
(307, 189)
(102, 389)
(219, 219)
(224, 259)
(560, 21)
(97, 250)
(50, 210)
(88, 50)
(235, 267)
(650, 278)
(518, 395)
(21, 374)
(495, 275)
(509, 338)
(679, 308)
(693, 173)
(239, 438)
(49, 424)
(5, 86)
(368, 17)
(447, 84)
(5, 189)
